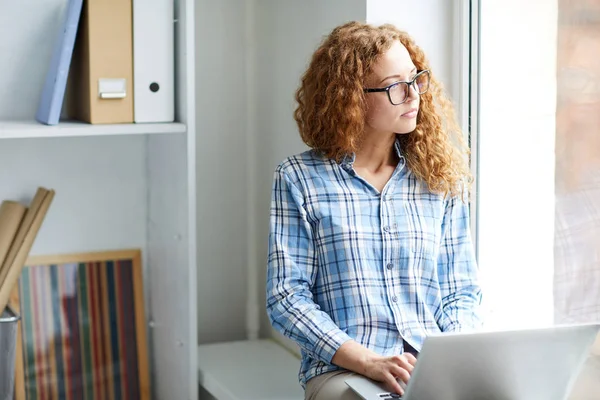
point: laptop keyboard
(388, 396)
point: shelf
(33, 129)
(257, 370)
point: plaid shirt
(577, 252)
(347, 262)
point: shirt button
(386, 228)
(390, 266)
(406, 334)
(394, 299)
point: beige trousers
(330, 386)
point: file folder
(153, 60)
(53, 91)
(101, 83)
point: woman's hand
(389, 369)
(354, 357)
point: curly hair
(331, 107)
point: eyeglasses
(398, 91)
(574, 82)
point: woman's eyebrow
(398, 75)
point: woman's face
(579, 85)
(382, 116)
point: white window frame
(513, 234)
(466, 87)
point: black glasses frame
(408, 85)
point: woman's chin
(406, 129)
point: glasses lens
(398, 93)
(575, 79)
(423, 82)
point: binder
(153, 61)
(101, 83)
(53, 92)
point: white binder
(153, 61)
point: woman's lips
(411, 114)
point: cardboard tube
(14, 271)
(11, 215)
(24, 228)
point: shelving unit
(32, 129)
(117, 186)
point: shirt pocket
(421, 227)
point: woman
(577, 223)
(370, 248)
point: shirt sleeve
(458, 272)
(291, 272)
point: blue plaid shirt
(348, 262)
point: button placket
(386, 210)
(386, 213)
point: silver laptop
(509, 365)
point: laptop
(529, 364)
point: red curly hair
(331, 107)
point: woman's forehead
(396, 61)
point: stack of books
(19, 226)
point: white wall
(429, 22)
(100, 188)
(221, 166)
(26, 50)
(516, 153)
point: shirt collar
(348, 159)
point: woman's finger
(393, 384)
(410, 358)
(400, 373)
(408, 366)
(402, 362)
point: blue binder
(53, 93)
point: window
(577, 231)
(538, 151)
